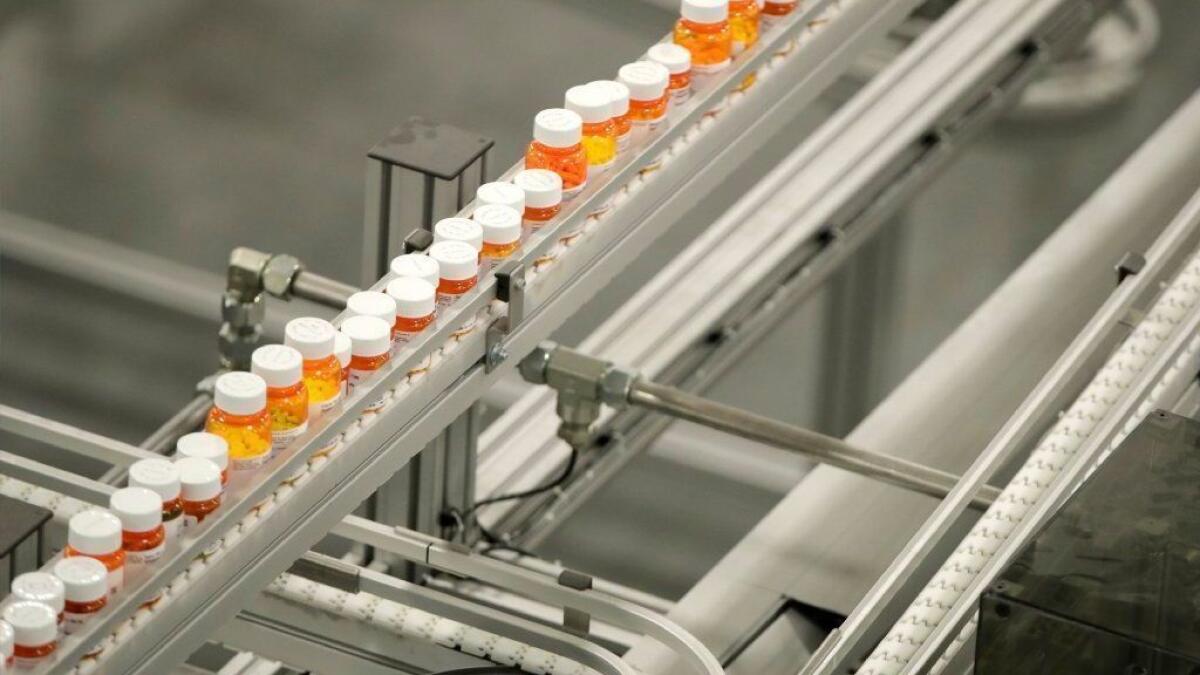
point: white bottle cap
(369, 335)
(41, 587)
(6, 632)
(278, 365)
(373, 303)
(94, 532)
(618, 95)
(501, 224)
(592, 104)
(157, 475)
(505, 194)
(458, 229)
(456, 261)
(675, 58)
(84, 579)
(240, 393)
(647, 80)
(557, 128)
(310, 336)
(417, 265)
(342, 348)
(415, 298)
(33, 623)
(705, 11)
(139, 509)
(543, 188)
(203, 445)
(199, 478)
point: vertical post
(377, 221)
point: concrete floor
(185, 128)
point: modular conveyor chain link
(1040, 471)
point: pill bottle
(678, 62)
(599, 132)
(341, 349)
(743, 23)
(97, 534)
(504, 194)
(206, 446)
(6, 644)
(85, 586)
(42, 587)
(557, 146)
(618, 100)
(703, 29)
(416, 301)
(419, 265)
(370, 349)
(501, 232)
(281, 367)
(314, 339)
(200, 484)
(465, 230)
(239, 415)
(647, 83)
(543, 195)
(35, 632)
(774, 11)
(376, 304)
(161, 477)
(458, 270)
(143, 536)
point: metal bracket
(1130, 264)
(418, 240)
(326, 570)
(575, 620)
(510, 288)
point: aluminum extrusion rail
(270, 523)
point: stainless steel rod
(825, 449)
(322, 290)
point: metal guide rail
(824, 201)
(269, 522)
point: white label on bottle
(710, 68)
(249, 463)
(568, 193)
(622, 143)
(173, 528)
(28, 663)
(73, 623)
(316, 408)
(137, 559)
(680, 96)
(444, 300)
(649, 124)
(116, 580)
(282, 438)
(357, 379)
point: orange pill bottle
(618, 101)
(314, 339)
(599, 131)
(208, 446)
(543, 196)
(416, 305)
(418, 265)
(239, 415)
(557, 145)
(647, 83)
(143, 536)
(342, 349)
(458, 270)
(775, 10)
(96, 533)
(501, 227)
(162, 478)
(85, 586)
(282, 368)
(35, 632)
(703, 29)
(743, 22)
(678, 62)
(200, 487)
(42, 587)
(370, 350)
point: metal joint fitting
(244, 277)
(279, 273)
(615, 386)
(533, 367)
